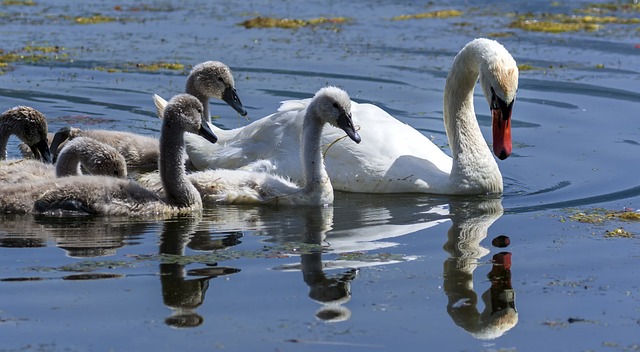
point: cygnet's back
(138, 150)
(95, 157)
(83, 153)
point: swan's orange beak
(501, 132)
(501, 125)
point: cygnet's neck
(315, 174)
(6, 130)
(204, 99)
(178, 189)
(68, 163)
(473, 164)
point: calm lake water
(391, 272)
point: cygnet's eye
(335, 105)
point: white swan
(95, 158)
(30, 126)
(114, 196)
(330, 105)
(393, 157)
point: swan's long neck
(178, 189)
(473, 164)
(315, 174)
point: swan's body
(95, 158)
(330, 105)
(30, 126)
(393, 157)
(138, 150)
(113, 196)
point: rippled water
(372, 272)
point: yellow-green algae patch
(31, 54)
(597, 216)
(18, 2)
(525, 67)
(291, 23)
(174, 66)
(618, 233)
(610, 7)
(147, 67)
(432, 14)
(558, 23)
(95, 19)
(552, 27)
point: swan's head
(333, 106)
(30, 126)
(213, 79)
(184, 114)
(499, 81)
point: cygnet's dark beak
(42, 149)
(345, 122)
(60, 137)
(230, 96)
(206, 132)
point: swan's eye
(494, 100)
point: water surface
(371, 272)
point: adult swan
(393, 157)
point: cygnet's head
(499, 82)
(183, 114)
(333, 106)
(97, 158)
(30, 126)
(213, 79)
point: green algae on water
(599, 215)
(291, 23)
(618, 6)
(432, 14)
(31, 54)
(525, 67)
(95, 19)
(559, 23)
(18, 2)
(156, 66)
(618, 233)
(552, 27)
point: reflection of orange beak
(501, 125)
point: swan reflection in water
(470, 223)
(79, 237)
(348, 231)
(184, 290)
(332, 243)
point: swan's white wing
(275, 138)
(160, 104)
(392, 157)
